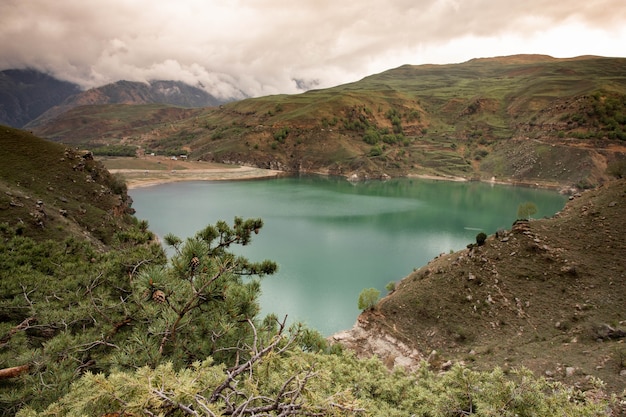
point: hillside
(171, 93)
(68, 242)
(29, 98)
(547, 294)
(523, 119)
(48, 191)
(26, 94)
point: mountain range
(524, 119)
(26, 94)
(32, 97)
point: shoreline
(136, 178)
(563, 189)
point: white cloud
(261, 47)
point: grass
(53, 192)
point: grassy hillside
(52, 192)
(68, 242)
(516, 118)
(548, 294)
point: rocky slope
(548, 294)
(48, 191)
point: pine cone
(194, 263)
(158, 296)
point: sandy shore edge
(136, 178)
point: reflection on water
(332, 238)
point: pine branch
(185, 408)
(232, 373)
(24, 325)
(13, 372)
(170, 334)
(88, 346)
(286, 402)
(94, 284)
(131, 274)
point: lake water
(331, 238)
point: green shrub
(525, 210)
(118, 184)
(368, 298)
(480, 154)
(480, 238)
(336, 385)
(281, 135)
(375, 151)
(371, 136)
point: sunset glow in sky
(237, 48)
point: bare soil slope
(548, 294)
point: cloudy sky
(261, 47)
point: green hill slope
(52, 192)
(528, 118)
(523, 119)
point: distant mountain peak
(27, 95)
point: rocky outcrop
(366, 339)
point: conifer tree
(201, 304)
(69, 309)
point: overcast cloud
(260, 47)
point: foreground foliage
(126, 334)
(123, 333)
(281, 380)
(68, 309)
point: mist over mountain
(26, 95)
(172, 93)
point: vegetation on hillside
(548, 294)
(56, 192)
(285, 381)
(95, 320)
(524, 119)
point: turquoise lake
(331, 238)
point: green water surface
(331, 238)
